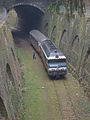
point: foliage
(54, 7)
(70, 6)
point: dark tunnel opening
(29, 17)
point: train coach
(52, 57)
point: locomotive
(53, 59)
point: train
(53, 59)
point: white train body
(53, 59)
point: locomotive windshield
(57, 61)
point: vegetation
(42, 97)
(70, 6)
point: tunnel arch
(3, 112)
(29, 16)
(28, 4)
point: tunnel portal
(29, 17)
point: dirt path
(46, 99)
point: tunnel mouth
(29, 18)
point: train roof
(51, 50)
(38, 35)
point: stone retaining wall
(74, 39)
(10, 94)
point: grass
(32, 89)
(42, 103)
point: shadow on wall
(88, 51)
(46, 29)
(13, 54)
(74, 52)
(63, 41)
(75, 38)
(87, 59)
(53, 34)
(3, 112)
(9, 73)
(63, 33)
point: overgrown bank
(73, 37)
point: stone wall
(10, 95)
(73, 38)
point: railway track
(62, 98)
(57, 95)
(66, 109)
(65, 103)
(53, 99)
